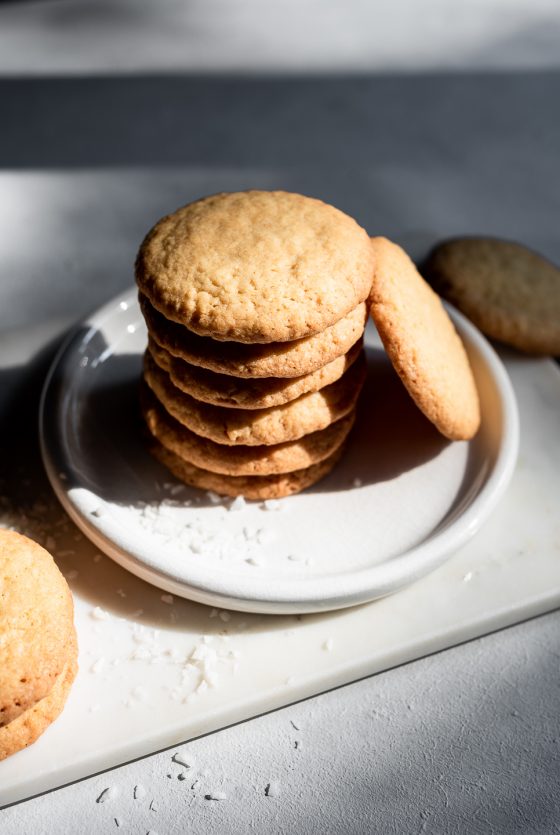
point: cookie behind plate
(511, 293)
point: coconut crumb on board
(273, 789)
(215, 796)
(180, 759)
(110, 793)
(238, 504)
(98, 665)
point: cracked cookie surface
(256, 266)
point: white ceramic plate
(401, 501)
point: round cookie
(277, 359)
(308, 413)
(255, 266)
(28, 726)
(36, 620)
(251, 487)
(511, 293)
(422, 343)
(240, 393)
(241, 460)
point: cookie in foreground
(38, 646)
(36, 624)
(28, 727)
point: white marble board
(135, 694)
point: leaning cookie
(255, 266)
(251, 487)
(422, 343)
(309, 413)
(275, 359)
(511, 293)
(240, 393)
(241, 460)
(29, 726)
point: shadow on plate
(28, 505)
(390, 437)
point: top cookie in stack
(255, 306)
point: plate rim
(334, 591)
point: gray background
(422, 119)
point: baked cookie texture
(28, 726)
(239, 393)
(511, 293)
(275, 359)
(251, 487)
(256, 266)
(422, 343)
(36, 625)
(241, 460)
(309, 413)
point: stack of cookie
(255, 308)
(38, 648)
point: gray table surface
(465, 741)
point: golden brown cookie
(28, 726)
(251, 487)
(253, 427)
(241, 393)
(511, 293)
(241, 460)
(255, 266)
(422, 343)
(277, 359)
(36, 620)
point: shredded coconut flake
(98, 665)
(108, 794)
(181, 760)
(139, 791)
(238, 503)
(273, 789)
(272, 504)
